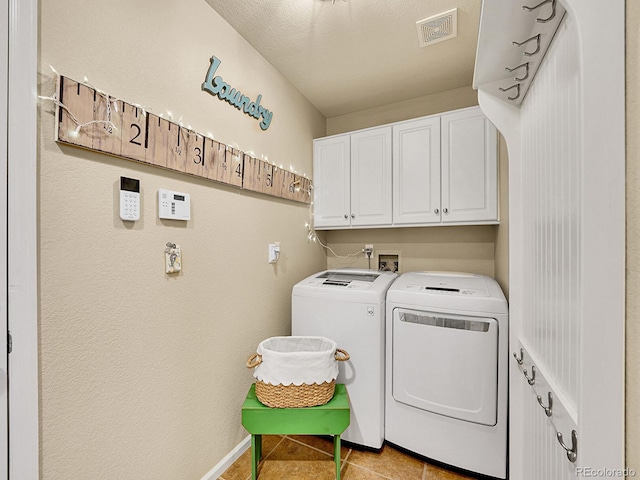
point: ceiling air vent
(438, 28)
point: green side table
(330, 419)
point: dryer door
(446, 364)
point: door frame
(4, 399)
(22, 263)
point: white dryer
(446, 371)
(348, 306)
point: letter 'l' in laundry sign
(215, 85)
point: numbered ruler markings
(287, 185)
(267, 178)
(157, 141)
(195, 154)
(236, 167)
(78, 99)
(134, 132)
(176, 151)
(214, 155)
(276, 183)
(107, 138)
(252, 174)
(219, 165)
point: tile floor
(304, 457)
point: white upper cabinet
(332, 172)
(469, 168)
(416, 171)
(436, 170)
(371, 177)
(354, 175)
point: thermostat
(174, 205)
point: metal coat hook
(171, 245)
(543, 20)
(529, 54)
(572, 453)
(547, 410)
(532, 380)
(521, 359)
(526, 74)
(517, 85)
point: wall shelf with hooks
(513, 39)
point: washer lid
(354, 285)
(342, 278)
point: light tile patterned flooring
(305, 457)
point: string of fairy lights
(112, 106)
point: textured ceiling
(352, 55)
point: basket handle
(252, 362)
(345, 356)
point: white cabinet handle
(436, 211)
(445, 210)
(353, 215)
(346, 216)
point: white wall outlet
(368, 251)
(274, 252)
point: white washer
(446, 371)
(348, 306)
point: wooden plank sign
(97, 121)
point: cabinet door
(469, 167)
(416, 172)
(371, 177)
(331, 159)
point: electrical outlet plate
(368, 250)
(274, 252)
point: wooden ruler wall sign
(97, 121)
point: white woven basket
(296, 371)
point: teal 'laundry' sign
(215, 85)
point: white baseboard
(228, 460)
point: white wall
(142, 375)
